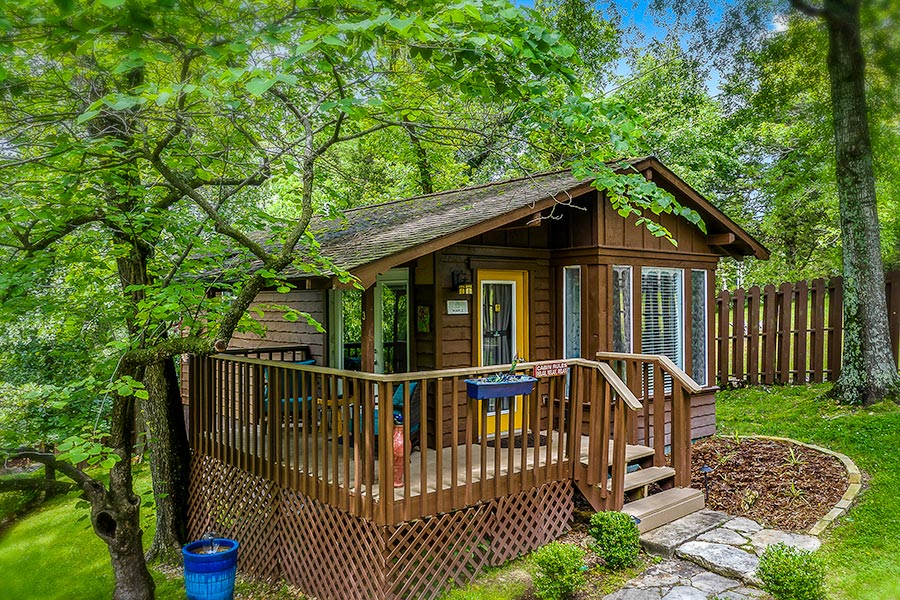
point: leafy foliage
(560, 570)
(789, 573)
(616, 538)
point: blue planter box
(210, 576)
(480, 389)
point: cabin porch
(288, 459)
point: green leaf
(563, 50)
(112, 3)
(87, 116)
(259, 85)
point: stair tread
(633, 452)
(642, 477)
(663, 508)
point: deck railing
(313, 429)
(664, 419)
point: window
(621, 309)
(572, 312)
(662, 313)
(698, 326)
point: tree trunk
(868, 373)
(169, 460)
(115, 515)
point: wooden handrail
(665, 362)
(619, 386)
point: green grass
(53, 554)
(863, 551)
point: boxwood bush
(616, 538)
(789, 573)
(560, 570)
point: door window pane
(394, 317)
(497, 323)
(621, 309)
(698, 326)
(572, 312)
(351, 334)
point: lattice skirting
(330, 554)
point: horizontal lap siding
(280, 332)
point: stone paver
(713, 583)
(724, 536)
(766, 537)
(722, 559)
(663, 540)
(743, 525)
(684, 592)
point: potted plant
(209, 568)
(501, 385)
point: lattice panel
(335, 556)
(424, 557)
(240, 506)
(530, 519)
(329, 553)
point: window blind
(662, 320)
(698, 326)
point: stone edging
(853, 475)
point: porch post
(367, 345)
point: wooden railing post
(681, 435)
(618, 458)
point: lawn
(863, 551)
(53, 554)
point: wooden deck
(294, 479)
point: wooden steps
(662, 508)
(644, 477)
(654, 510)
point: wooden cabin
(292, 458)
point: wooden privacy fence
(789, 334)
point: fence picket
(798, 338)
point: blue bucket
(210, 576)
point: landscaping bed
(778, 484)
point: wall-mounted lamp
(461, 282)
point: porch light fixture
(461, 283)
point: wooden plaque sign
(551, 369)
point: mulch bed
(777, 484)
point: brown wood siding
(458, 346)
(287, 333)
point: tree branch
(808, 9)
(25, 484)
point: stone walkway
(707, 555)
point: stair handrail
(683, 387)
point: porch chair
(292, 389)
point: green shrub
(792, 574)
(560, 570)
(617, 539)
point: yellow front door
(502, 335)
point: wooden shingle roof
(373, 238)
(370, 233)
